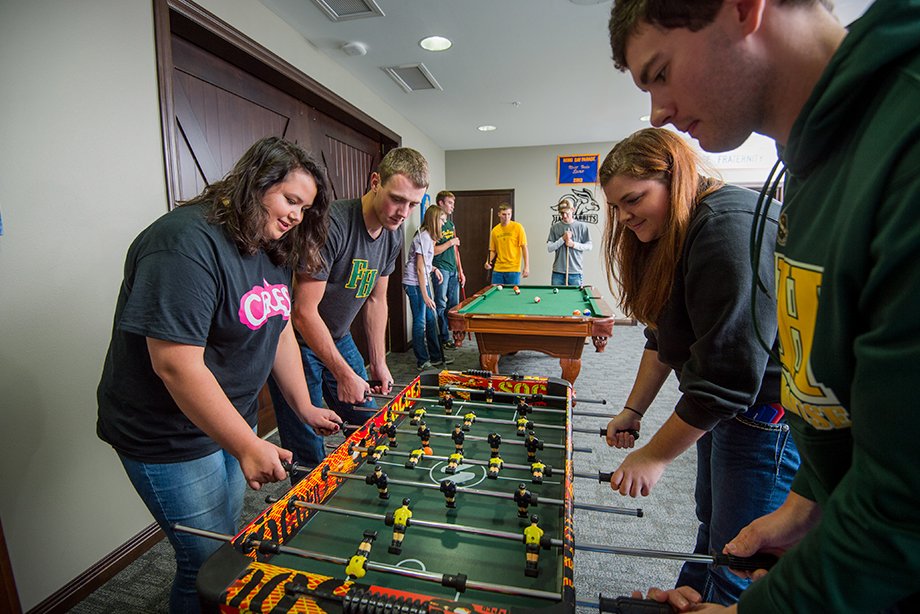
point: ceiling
(538, 70)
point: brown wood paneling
(473, 224)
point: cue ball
(555, 290)
(586, 312)
(576, 312)
(499, 286)
(536, 299)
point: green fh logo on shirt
(361, 278)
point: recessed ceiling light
(486, 128)
(645, 118)
(435, 43)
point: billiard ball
(517, 291)
(586, 312)
(516, 288)
(555, 290)
(536, 299)
(499, 286)
(577, 312)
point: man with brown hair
(841, 104)
(447, 260)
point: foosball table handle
(628, 605)
(761, 560)
(633, 432)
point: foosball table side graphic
(255, 572)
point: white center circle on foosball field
(465, 475)
(412, 562)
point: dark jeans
(744, 470)
(425, 342)
(300, 438)
(508, 278)
(446, 295)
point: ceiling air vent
(413, 77)
(342, 10)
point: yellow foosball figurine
(532, 536)
(379, 451)
(357, 565)
(417, 415)
(495, 465)
(452, 462)
(400, 521)
(536, 472)
(414, 457)
(468, 420)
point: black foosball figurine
(524, 499)
(458, 437)
(532, 444)
(450, 493)
(379, 479)
(424, 433)
(389, 429)
(495, 440)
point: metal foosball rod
(499, 495)
(512, 442)
(471, 461)
(535, 397)
(465, 403)
(749, 563)
(387, 519)
(458, 581)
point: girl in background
(418, 269)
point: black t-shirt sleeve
(172, 298)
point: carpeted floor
(668, 522)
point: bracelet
(635, 411)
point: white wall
(531, 172)
(81, 174)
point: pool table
(337, 506)
(505, 322)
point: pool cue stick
(469, 335)
(566, 246)
(437, 334)
(489, 235)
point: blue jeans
(300, 438)
(744, 470)
(206, 493)
(507, 278)
(425, 342)
(559, 279)
(446, 295)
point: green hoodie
(848, 282)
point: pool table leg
(571, 367)
(489, 362)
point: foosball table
(455, 497)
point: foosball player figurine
(458, 437)
(389, 429)
(379, 479)
(400, 520)
(532, 444)
(468, 420)
(450, 493)
(448, 403)
(452, 462)
(522, 407)
(414, 457)
(536, 472)
(356, 565)
(424, 433)
(495, 465)
(489, 392)
(532, 536)
(523, 425)
(379, 451)
(495, 440)
(524, 499)
(417, 416)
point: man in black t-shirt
(364, 240)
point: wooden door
(473, 223)
(221, 109)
